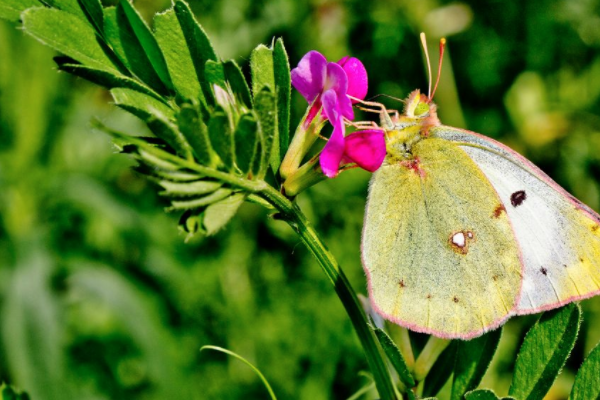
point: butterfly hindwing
(559, 237)
(433, 236)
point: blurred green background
(101, 299)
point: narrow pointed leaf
(261, 69)
(472, 361)
(544, 352)
(235, 77)
(147, 41)
(177, 55)
(441, 371)
(283, 81)
(109, 80)
(217, 215)
(266, 109)
(215, 74)
(123, 41)
(11, 10)
(158, 174)
(196, 133)
(94, 13)
(221, 138)
(200, 202)
(587, 380)
(187, 189)
(76, 38)
(148, 105)
(395, 357)
(246, 138)
(198, 43)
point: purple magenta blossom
(326, 86)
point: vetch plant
(219, 142)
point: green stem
(298, 221)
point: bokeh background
(101, 299)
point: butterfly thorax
(403, 131)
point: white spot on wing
(459, 239)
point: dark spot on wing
(455, 299)
(517, 198)
(428, 296)
(581, 259)
(544, 271)
(401, 283)
(414, 165)
(595, 227)
(495, 278)
(498, 210)
(565, 265)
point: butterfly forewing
(558, 236)
(439, 255)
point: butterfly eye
(421, 109)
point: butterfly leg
(384, 113)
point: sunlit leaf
(217, 215)
(171, 39)
(76, 38)
(266, 109)
(198, 43)
(484, 394)
(261, 69)
(544, 352)
(196, 133)
(186, 189)
(587, 380)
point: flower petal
(366, 148)
(309, 76)
(338, 81)
(358, 82)
(332, 153)
(331, 107)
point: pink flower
(327, 85)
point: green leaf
(70, 6)
(109, 80)
(266, 109)
(157, 116)
(587, 380)
(217, 215)
(441, 370)
(238, 84)
(484, 394)
(147, 41)
(125, 44)
(11, 9)
(246, 138)
(215, 74)
(198, 44)
(221, 138)
(177, 55)
(186, 189)
(544, 352)
(159, 174)
(94, 13)
(261, 69)
(75, 38)
(200, 202)
(395, 357)
(196, 133)
(148, 106)
(472, 361)
(281, 68)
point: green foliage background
(101, 299)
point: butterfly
(461, 232)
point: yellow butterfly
(461, 232)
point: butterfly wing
(559, 237)
(439, 257)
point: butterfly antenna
(388, 96)
(442, 48)
(424, 44)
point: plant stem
(298, 221)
